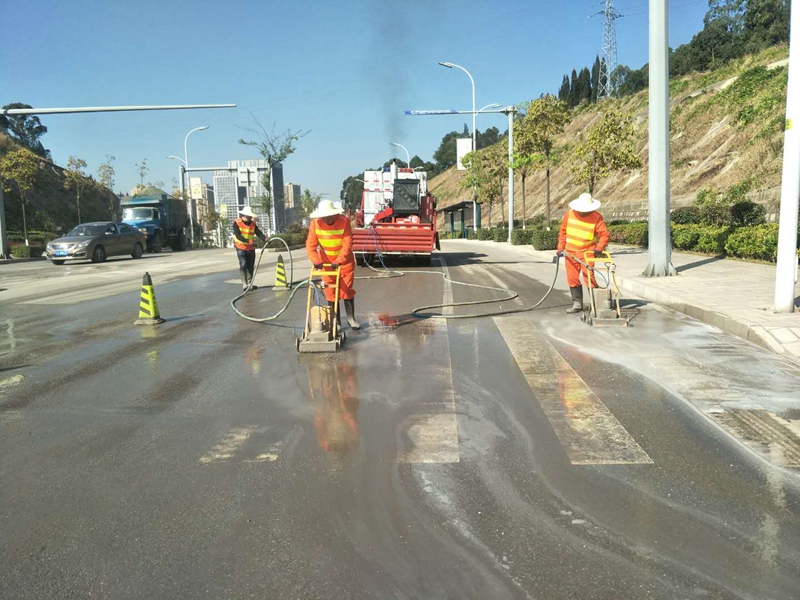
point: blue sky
(344, 70)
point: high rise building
(202, 197)
(292, 199)
(242, 184)
(292, 194)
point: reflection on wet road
(526, 456)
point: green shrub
(521, 237)
(712, 240)
(617, 222)
(685, 237)
(21, 251)
(631, 234)
(544, 240)
(706, 196)
(716, 214)
(536, 221)
(472, 234)
(688, 215)
(756, 242)
(485, 234)
(500, 234)
(747, 214)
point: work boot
(577, 300)
(350, 309)
(243, 275)
(250, 280)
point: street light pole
(450, 65)
(659, 246)
(408, 156)
(186, 162)
(510, 111)
(786, 269)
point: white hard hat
(585, 203)
(326, 208)
(248, 212)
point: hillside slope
(50, 206)
(726, 128)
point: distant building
(292, 194)
(202, 197)
(242, 184)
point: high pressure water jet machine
(323, 329)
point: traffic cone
(148, 307)
(280, 274)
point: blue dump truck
(163, 219)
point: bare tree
(275, 147)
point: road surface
(520, 456)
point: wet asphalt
(205, 458)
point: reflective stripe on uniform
(580, 234)
(248, 233)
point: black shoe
(350, 309)
(577, 300)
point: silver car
(96, 242)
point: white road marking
(229, 444)
(434, 434)
(589, 432)
(273, 451)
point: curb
(8, 261)
(755, 334)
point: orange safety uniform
(248, 233)
(333, 244)
(577, 236)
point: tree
(544, 120)
(606, 147)
(20, 167)
(563, 92)
(595, 79)
(308, 204)
(26, 129)
(352, 190)
(275, 147)
(105, 176)
(487, 138)
(485, 173)
(573, 89)
(445, 155)
(142, 169)
(584, 86)
(75, 177)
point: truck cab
(161, 218)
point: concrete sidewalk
(732, 295)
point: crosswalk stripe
(588, 431)
(434, 434)
(229, 444)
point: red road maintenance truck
(397, 216)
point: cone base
(149, 321)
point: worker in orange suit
(330, 240)
(582, 230)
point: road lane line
(229, 444)
(434, 434)
(588, 431)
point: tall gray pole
(511, 112)
(786, 271)
(3, 235)
(181, 174)
(660, 245)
